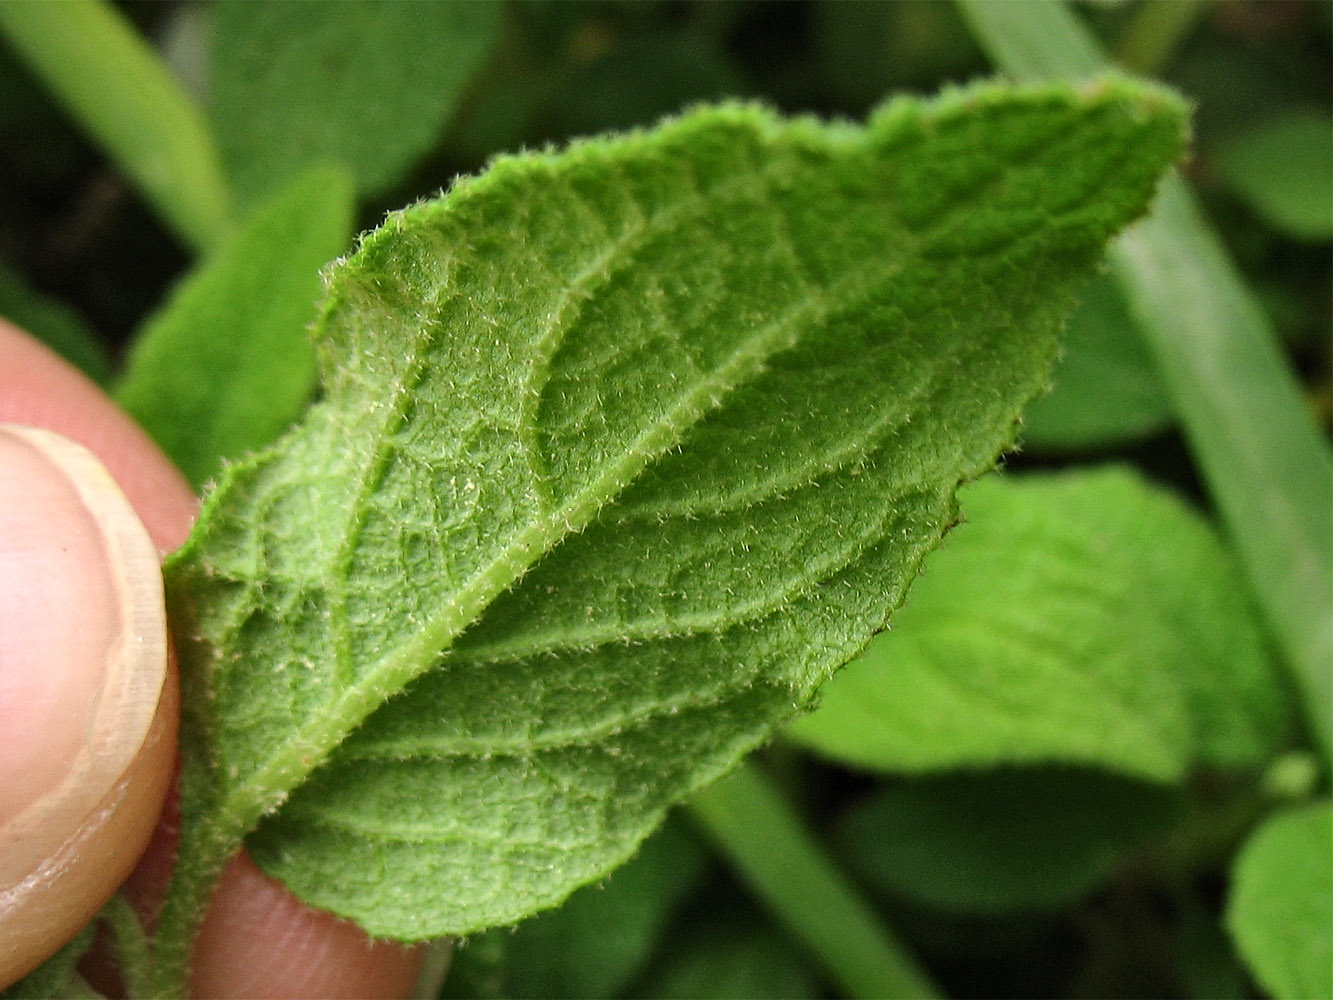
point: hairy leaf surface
(598, 939)
(621, 451)
(1106, 391)
(1080, 618)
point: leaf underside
(621, 451)
(1082, 617)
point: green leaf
(641, 79)
(119, 90)
(993, 842)
(1106, 390)
(738, 958)
(621, 451)
(57, 325)
(1282, 169)
(1084, 618)
(1267, 464)
(58, 976)
(601, 936)
(369, 85)
(226, 365)
(1281, 908)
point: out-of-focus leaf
(113, 81)
(991, 842)
(1283, 169)
(639, 81)
(600, 937)
(865, 50)
(1085, 618)
(368, 85)
(1106, 390)
(1281, 909)
(740, 957)
(226, 364)
(57, 325)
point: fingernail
(82, 665)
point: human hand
(89, 705)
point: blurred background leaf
(371, 86)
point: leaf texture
(621, 451)
(1080, 618)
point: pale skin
(63, 604)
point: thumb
(88, 713)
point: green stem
(1267, 468)
(113, 82)
(1154, 32)
(770, 849)
(132, 950)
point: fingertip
(39, 389)
(86, 703)
(308, 953)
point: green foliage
(987, 842)
(54, 323)
(1267, 465)
(58, 976)
(225, 364)
(599, 940)
(736, 958)
(111, 79)
(368, 85)
(787, 867)
(1106, 390)
(544, 496)
(1281, 909)
(1117, 635)
(997, 854)
(1283, 168)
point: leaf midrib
(269, 784)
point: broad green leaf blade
(622, 450)
(1267, 465)
(1106, 390)
(1282, 169)
(741, 959)
(117, 87)
(368, 85)
(1000, 841)
(602, 936)
(226, 365)
(1281, 908)
(1082, 618)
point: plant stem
(1154, 32)
(770, 849)
(132, 951)
(113, 82)
(1266, 466)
